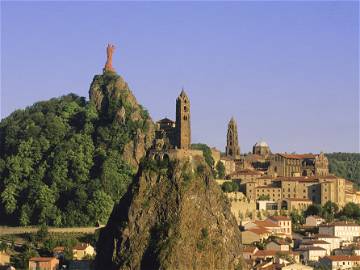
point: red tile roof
(264, 253)
(339, 223)
(298, 156)
(42, 259)
(280, 218)
(343, 258)
(165, 121)
(248, 249)
(81, 246)
(265, 223)
(311, 242)
(299, 179)
(311, 248)
(246, 172)
(258, 230)
(325, 236)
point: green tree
(230, 186)
(220, 168)
(350, 211)
(297, 219)
(346, 165)
(329, 210)
(313, 210)
(100, 207)
(264, 197)
(206, 152)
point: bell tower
(232, 144)
(183, 131)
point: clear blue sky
(287, 71)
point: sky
(288, 72)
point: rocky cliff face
(174, 216)
(117, 105)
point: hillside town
(269, 191)
(277, 199)
(293, 214)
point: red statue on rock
(109, 52)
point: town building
(337, 262)
(314, 221)
(82, 250)
(346, 231)
(4, 258)
(278, 244)
(43, 263)
(316, 243)
(248, 252)
(283, 222)
(261, 148)
(255, 234)
(334, 241)
(311, 253)
(290, 165)
(297, 266)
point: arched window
(185, 117)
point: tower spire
(232, 144)
(183, 129)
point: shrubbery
(230, 186)
(61, 161)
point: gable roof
(343, 258)
(258, 230)
(42, 259)
(81, 246)
(298, 156)
(165, 121)
(279, 218)
(266, 223)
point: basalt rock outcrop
(173, 216)
(117, 105)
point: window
(185, 118)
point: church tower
(183, 131)
(232, 145)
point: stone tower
(183, 131)
(232, 145)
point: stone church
(263, 160)
(173, 138)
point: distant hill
(65, 161)
(346, 165)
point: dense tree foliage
(329, 211)
(345, 165)
(264, 197)
(61, 163)
(206, 152)
(220, 169)
(230, 186)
